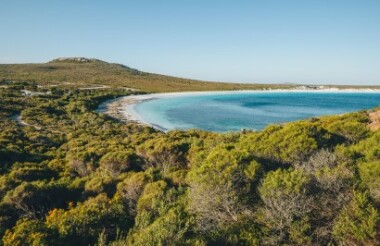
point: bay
(235, 111)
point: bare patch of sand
(116, 108)
(21, 122)
(95, 87)
(375, 120)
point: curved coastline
(123, 108)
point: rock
(76, 60)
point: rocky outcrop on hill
(75, 59)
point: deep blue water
(253, 110)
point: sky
(257, 41)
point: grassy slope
(97, 72)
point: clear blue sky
(302, 41)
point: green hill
(89, 72)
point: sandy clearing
(21, 122)
(375, 120)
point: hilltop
(75, 60)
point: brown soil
(375, 120)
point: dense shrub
(75, 177)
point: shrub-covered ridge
(75, 177)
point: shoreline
(123, 108)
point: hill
(80, 71)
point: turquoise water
(253, 110)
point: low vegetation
(70, 176)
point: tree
(171, 228)
(353, 132)
(284, 194)
(292, 143)
(29, 232)
(222, 187)
(114, 163)
(35, 199)
(164, 153)
(331, 181)
(357, 223)
(131, 189)
(82, 224)
(370, 176)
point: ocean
(222, 112)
